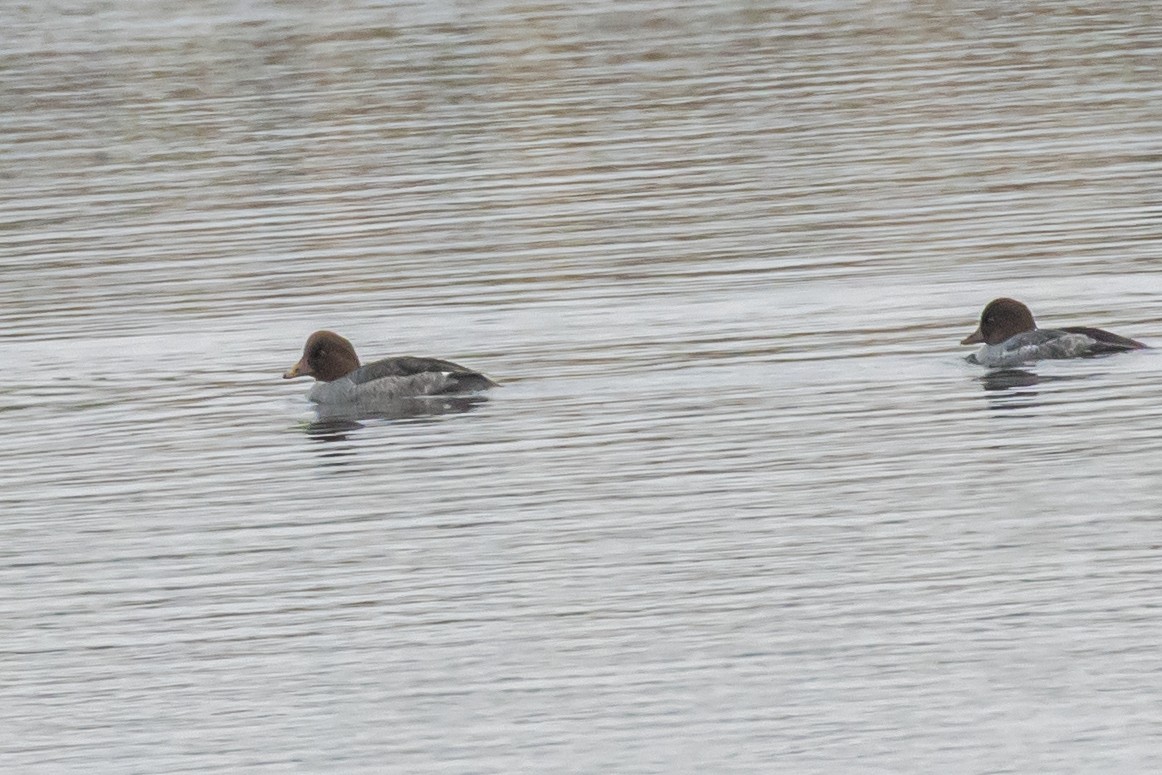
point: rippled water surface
(740, 504)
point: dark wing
(1106, 342)
(459, 379)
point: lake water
(740, 505)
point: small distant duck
(1011, 337)
(332, 361)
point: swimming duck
(1011, 336)
(332, 361)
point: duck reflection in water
(1009, 379)
(333, 423)
(1015, 388)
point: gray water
(740, 505)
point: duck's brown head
(326, 357)
(1001, 319)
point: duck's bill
(300, 369)
(974, 338)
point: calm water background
(740, 506)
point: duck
(340, 379)
(1010, 337)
